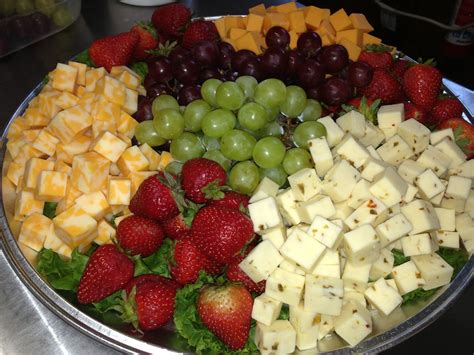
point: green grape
(62, 16)
(216, 123)
(229, 95)
(312, 111)
(208, 91)
(193, 114)
(269, 152)
(272, 113)
(24, 7)
(244, 177)
(211, 143)
(248, 84)
(186, 146)
(169, 123)
(296, 159)
(237, 145)
(270, 93)
(252, 116)
(164, 101)
(295, 101)
(271, 129)
(306, 131)
(277, 174)
(45, 6)
(146, 133)
(218, 157)
(174, 167)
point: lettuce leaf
(84, 58)
(284, 313)
(158, 262)
(141, 68)
(400, 258)
(49, 209)
(457, 258)
(418, 295)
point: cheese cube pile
(327, 239)
(248, 32)
(73, 146)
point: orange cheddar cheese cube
(141, 90)
(314, 15)
(17, 127)
(258, 10)
(34, 118)
(104, 110)
(119, 219)
(45, 142)
(51, 186)
(286, 8)
(119, 191)
(80, 91)
(68, 123)
(369, 39)
(125, 139)
(130, 104)
(297, 21)
(109, 146)
(221, 27)
(74, 225)
(275, 19)
(47, 103)
(81, 72)
(126, 124)
(105, 233)
(27, 152)
(293, 39)
(114, 170)
(14, 146)
(93, 75)
(68, 201)
(30, 135)
(234, 22)
(64, 77)
(132, 160)
(254, 22)
(355, 36)
(15, 171)
(235, 33)
(34, 230)
(326, 28)
(352, 48)
(66, 100)
(61, 154)
(359, 22)
(87, 101)
(136, 179)
(26, 204)
(245, 20)
(30, 254)
(251, 41)
(56, 244)
(326, 40)
(114, 90)
(340, 21)
(80, 144)
(89, 172)
(94, 204)
(63, 167)
(166, 158)
(33, 169)
(152, 155)
(98, 127)
(128, 77)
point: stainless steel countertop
(26, 326)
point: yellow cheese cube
(61, 166)
(98, 127)
(221, 27)
(26, 205)
(130, 104)
(235, 33)
(74, 226)
(352, 48)
(30, 254)
(80, 91)
(258, 10)
(326, 28)
(249, 41)
(61, 154)
(130, 79)
(19, 187)
(326, 40)
(355, 36)
(56, 244)
(314, 15)
(119, 191)
(33, 169)
(132, 160)
(105, 233)
(137, 178)
(293, 39)
(47, 103)
(79, 145)
(152, 155)
(81, 72)
(359, 21)
(14, 146)
(126, 124)
(104, 110)
(340, 21)
(275, 19)
(51, 186)
(26, 153)
(69, 200)
(119, 210)
(64, 77)
(17, 127)
(94, 204)
(45, 142)
(89, 172)
(166, 158)
(66, 100)
(34, 118)
(254, 22)
(369, 39)
(68, 123)
(87, 101)
(34, 230)
(15, 171)
(117, 70)
(286, 8)
(113, 90)
(109, 146)
(234, 22)
(93, 75)
(30, 135)
(297, 21)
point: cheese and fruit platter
(278, 182)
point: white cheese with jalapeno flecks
(323, 295)
(265, 214)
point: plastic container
(23, 22)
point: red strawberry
(115, 50)
(139, 280)
(199, 30)
(233, 200)
(226, 311)
(147, 40)
(188, 261)
(176, 227)
(220, 233)
(235, 274)
(422, 83)
(201, 179)
(171, 19)
(446, 108)
(416, 112)
(139, 235)
(107, 271)
(154, 200)
(377, 56)
(463, 134)
(384, 87)
(399, 68)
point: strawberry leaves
(461, 140)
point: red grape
(40, 23)
(229, 76)
(274, 62)
(310, 73)
(226, 52)
(149, 81)
(5, 27)
(160, 69)
(158, 89)
(336, 91)
(240, 57)
(209, 73)
(334, 57)
(360, 74)
(144, 112)
(252, 67)
(189, 93)
(309, 43)
(294, 61)
(22, 27)
(178, 54)
(315, 92)
(4, 45)
(205, 53)
(186, 71)
(277, 37)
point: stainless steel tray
(388, 331)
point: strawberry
(147, 40)
(220, 233)
(367, 107)
(235, 274)
(139, 280)
(188, 261)
(176, 227)
(233, 200)
(201, 179)
(107, 271)
(113, 51)
(422, 83)
(384, 87)
(418, 113)
(226, 311)
(199, 30)
(399, 67)
(463, 134)
(377, 56)
(154, 200)
(171, 19)
(139, 235)
(446, 108)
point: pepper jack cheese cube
(261, 261)
(306, 325)
(393, 229)
(373, 135)
(321, 154)
(305, 184)
(429, 185)
(89, 172)
(319, 205)
(435, 160)
(265, 309)
(447, 239)
(435, 271)
(265, 214)
(132, 160)
(362, 245)
(325, 232)
(415, 134)
(52, 185)
(389, 117)
(94, 204)
(409, 170)
(326, 326)
(458, 187)
(45, 142)
(371, 168)
(446, 217)
(407, 277)
(466, 169)
(68, 123)
(383, 265)
(350, 150)
(323, 295)
(389, 187)
(395, 150)
(438, 136)
(421, 215)
(288, 206)
(340, 181)
(356, 275)
(119, 191)
(33, 169)
(64, 77)
(352, 122)
(109, 146)
(74, 225)
(278, 338)
(451, 150)
(285, 286)
(418, 244)
(302, 249)
(359, 194)
(367, 213)
(328, 265)
(291, 267)
(334, 133)
(276, 235)
(383, 297)
(34, 230)
(266, 188)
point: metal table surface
(26, 326)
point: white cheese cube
(421, 215)
(371, 168)
(415, 134)
(393, 229)
(409, 170)
(390, 116)
(389, 187)
(451, 150)
(438, 136)
(319, 205)
(469, 245)
(350, 150)
(465, 226)
(395, 150)
(362, 245)
(342, 210)
(456, 204)
(446, 217)
(265, 214)
(352, 122)
(395, 245)
(291, 267)
(326, 326)
(429, 185)
(302, 249)
(354, 323)
(261, 261)
(328, 265)
(383, 297)
(325, 232)
(340, 181)
(436, 200)
(410, 194)
(447, 239)
(354, 296)
(323, 295)
(321, 154)
(277, 338)
(373, 135)
(418, 244)
(408, 277)
(383, 265)
(303, 320)
(367, 213)
(334, 133)
(305, 184)
(394, 210)
(285, 286)
(359, 194)
(306, 343)
(466, 169)
(265, 309)
(469, 205)
(435, 160)
(287, 203)
(276, 235)
(266, 188)
(373, 153)
(435, 271)
(356, 276)
(458, 187)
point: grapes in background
(277, 37)
(312, 111)
(272, 128)
(296, 159)
(315, 92)
(244, 177)
(226, 53)
(62, 17)
(247, 84)
(169, 123)
(252, 116)
(218, 122)
(309, 43)
(237, 145)
(186, 71)
(274, 62)
(194, 113)
(189, 93)
(164, 101)
(272, 113)
(336, 91)
(205, 53)
(185, 147)
(160, 69)
(240, 57)
(208, 91)
(252, 67)
(209, 73)
(46, 7)
(277, 174)
(219, 158)
(40, 23)
(306, 131)
(211, 143)
(294, 61)
(144, 111)
(178, 54)
(157, 90)
(334, 58)
(310, 73)
(295, 101)
(360, 74)
(270, 93)
(146, 133)
(269, 152)
(230, 96)
(24, 7)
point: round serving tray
(388, 331)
